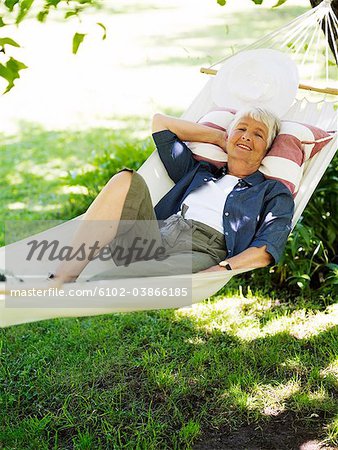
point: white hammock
(305, 29)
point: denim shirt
(257, 212)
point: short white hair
(269, 119)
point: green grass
(41, 170)
(157, 380)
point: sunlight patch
(271, 399)
(196, 340)
(73, 190)
(311, 445)
(277, 326)
(269, 217)
(16, 205)
(318, 396)
(314, 324)
(249, 332)
(227, 316)
(330, 370)
(295, 364)
(44, 208)
(47, 171)
(302, 324)
(14, 178)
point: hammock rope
(306, 40)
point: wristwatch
(225, 264)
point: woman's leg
(98, 226)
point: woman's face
(248, 141)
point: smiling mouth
(244, 147)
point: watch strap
(225, 264)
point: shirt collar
(253, 179)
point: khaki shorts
(188, 246)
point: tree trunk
(334, 6)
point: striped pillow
(295, 144)
(221, 120)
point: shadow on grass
(54, 175)
(287, 431)
(164, 380)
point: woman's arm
(189, 131)
(251, 258)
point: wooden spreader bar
(305, 87)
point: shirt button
(229, 251)
(231, 195)
(205, 179)
(226, 214)
(226, 233)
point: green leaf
(77, 40)
(104, 30)
(53, 2)
(257, 2)
(25, 6)
(221, 2)
(279, 3)
(333, 266)
(8, 41)
(316, 250)
(10, 72)
(71, 13)
(6, 73)
(10, 4)
(2, 23)
(305, 277)
(15, 65)
(42, 15)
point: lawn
(48, 175)
(162, 380)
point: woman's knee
(121, 180)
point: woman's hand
(222, 140)
(251, 258)
(190, 131)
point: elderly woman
(236, 218)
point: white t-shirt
(206, 203)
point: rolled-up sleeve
(175, 154)
(275, 224)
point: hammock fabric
(297, 39)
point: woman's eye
(241, 129)
(259, 135)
